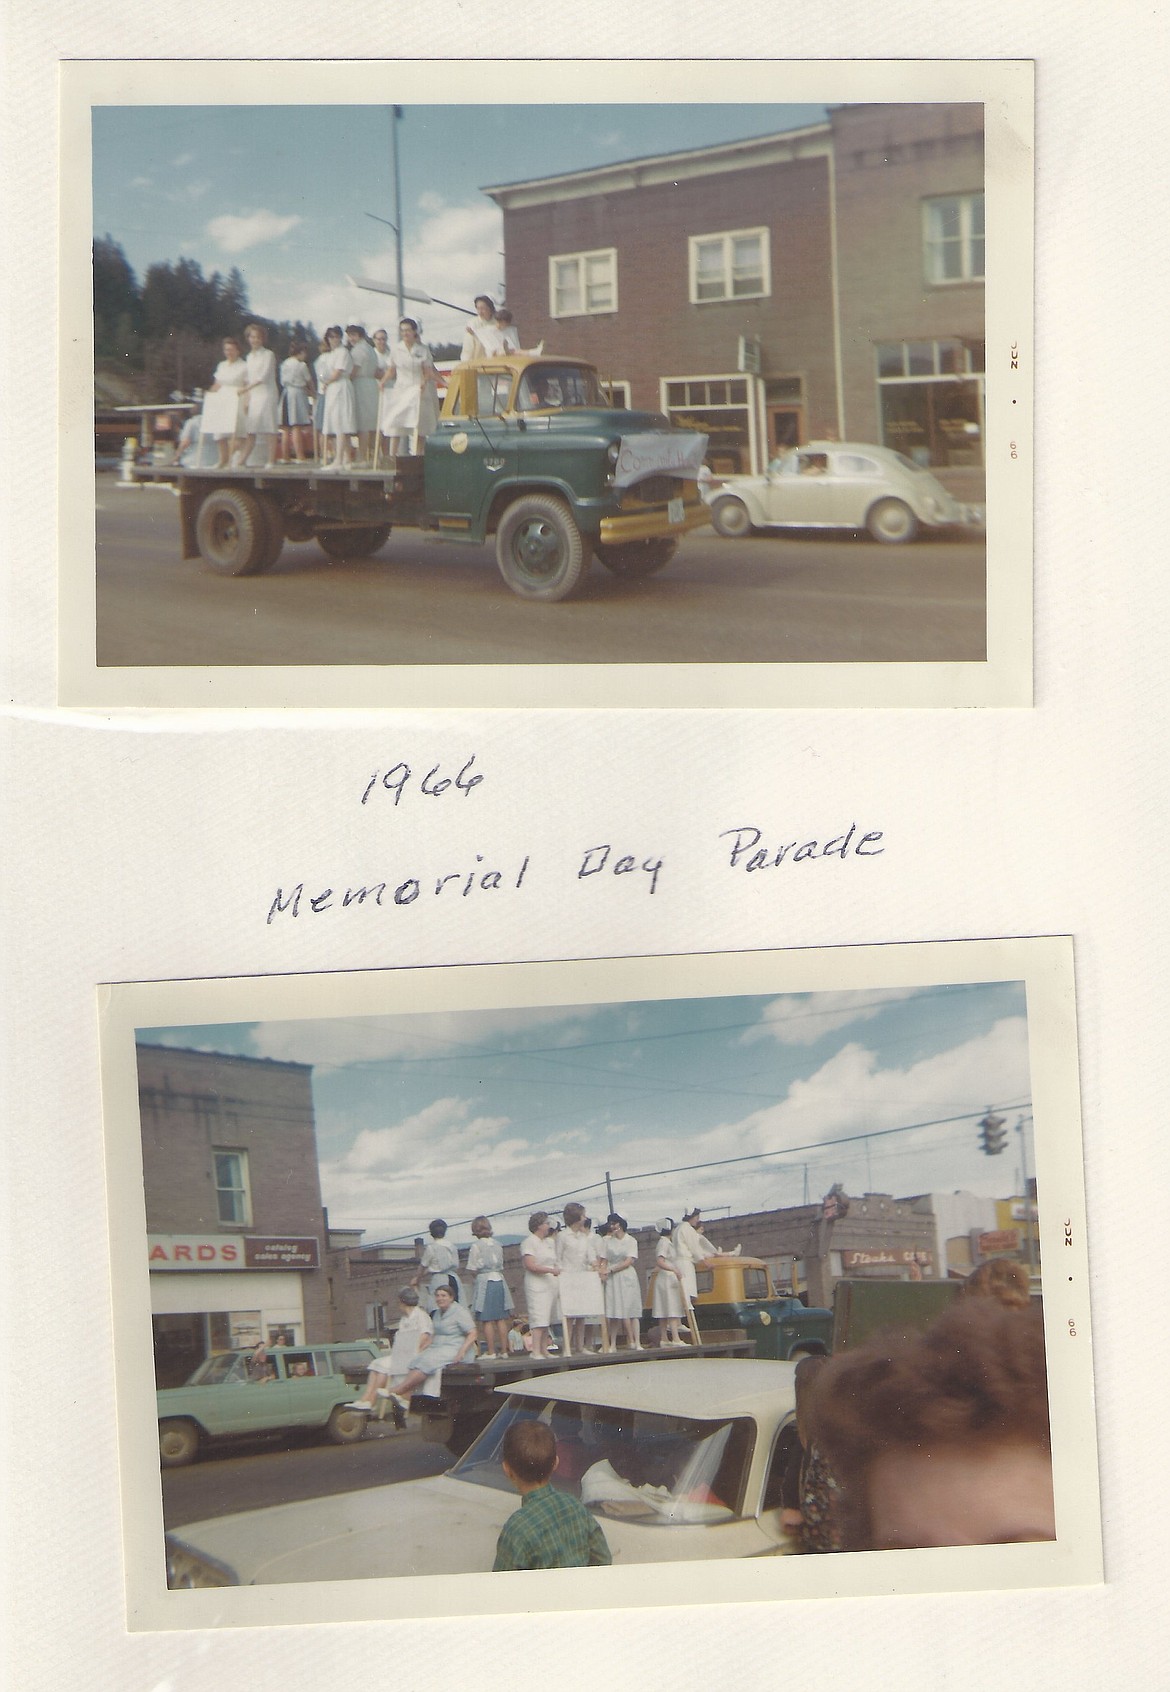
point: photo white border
(1044, 964)
(1005, 87)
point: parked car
(838, 485)
(679, 1460)
(306, 1386)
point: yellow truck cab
(736, 1293)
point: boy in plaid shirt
(550, 1530)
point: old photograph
(499, 399)
(755, 1264)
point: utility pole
(1029, 1225)
(395, 115)
(609, 1193)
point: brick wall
(193, 1103)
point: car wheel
(232, 533)
(178, 1443)
(345, 1426)
(541, 552)
(637, 558)
(892, 521)
(731, 519)
(345, 545)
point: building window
(581, 284)
(732, 266)
(930, 396)
(953, 238)
(720, 406)
(231, 1187)
(617, 392)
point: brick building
(236, 1230)
(821, 282)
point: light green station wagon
(304, 1386)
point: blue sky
(283, 191)
(449, 1114)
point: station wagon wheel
(344, 545)
(892, 521)
(541, 552)
(637, 558)
(731, 518)
(232, 533)
(178, 1443)
(345, 1426)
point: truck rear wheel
(637, 558)
(541, 552)
(344, 545)
(232, 533)
(273, 520)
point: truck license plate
(674, 512)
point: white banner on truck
(640, 456)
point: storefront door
(785, 428)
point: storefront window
(931, 400)
(719, 407)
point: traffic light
(992, 1134)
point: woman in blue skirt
(491, 1301)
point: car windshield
(225, 1366)
(661, 1470)
(558, 387)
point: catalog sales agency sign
(238, 1251)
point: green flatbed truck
(528, 453)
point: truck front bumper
(651, 525)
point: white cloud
(142, 182)
(430, 201)
(236, 234)
(338, 1041)
(456, 254)
(181, 160)
(802, 1021)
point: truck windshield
(664, 1471)
(558, 387)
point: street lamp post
(395, 115)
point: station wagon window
(733, 265)
(231, 1187)
(582, 284)
(663, 1470)
(297, 1364)
(953, 238)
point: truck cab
(530, 449)
(737, 1293)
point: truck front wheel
(541, 552)
(637, 558)
(344, 545)
(232, 533)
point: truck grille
(656, 490)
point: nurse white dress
(366, 393)
(450, 1329)
(340, 414)
(690, 1248)
(668, 1300)
(411, 405)
(540, 1291)
(441, 1261)
(483, 340)
(580, 1286)
(262, 400)
(294, 401)
(623, 1292)
(230, 375)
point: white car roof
(699, 1387)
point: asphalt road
(254, 1475)
(768, 599)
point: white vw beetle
(837, 485)
(678, 1460)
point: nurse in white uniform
(340, 417)
(365, 387)
(231, 373)
(410, 407)
(668, 1304)
(483, 336)
(538, 1254)
(623, 1293)
(260, 396)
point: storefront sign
(220, 1251)
(998, 1242)
(896, 1258)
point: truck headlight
(613, 452)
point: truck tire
(541, 552)
(346, 1426)
(232, 532)
(273, 521)
(344, 545)
(178, 1442)
(637, 558)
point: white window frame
(616, 385)
(244, 1189)
(932, 245)
(727, 236)
(579, 259)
